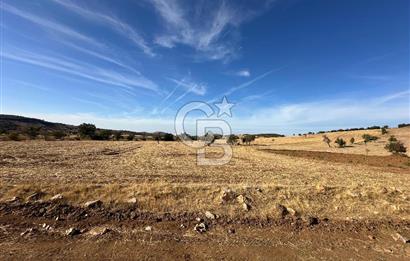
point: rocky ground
(43, 230)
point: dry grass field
(360, 196)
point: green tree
(341, 142)
(32, 132)
(232, 139)
(87, 130)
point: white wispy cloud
(206, 28)
(191, 86)
(90, 72)
(243, 73)
(51, 25)
(113, 22)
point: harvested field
(355, 203)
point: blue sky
(289, 66)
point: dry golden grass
(165, 178)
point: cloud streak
(90, 72)
(111, 21)
(51, 25)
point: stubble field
(295, 188)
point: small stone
(93, 204)
(246, 206)
(182, 226)
(99, 231)
(292, 212)
(241, 199)
(199, 219)
(371, 237)
(398, 236)
(13, 199)
(35, 196)
(72, 231)
(28, 231)
(148, 228)
(132, 200)
(231, 231)
(201, 227)
(133, 215)
(209, 215)
(57, 197)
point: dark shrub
(402, 125)
(396, 147)
(368, 137)
(352, 140)
(130, 136)
(32, 132)
(87, 130)
(384, 131)
(14, 136)
(58, 134)
(340, 142)
(232, 139)
(248, 138)
(168, 137)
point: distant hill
(19, 124)
(9, 123)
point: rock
(13, 199)
(209, 215)
(228, 196)
(258, 189)
(133, 215)
(312, 221)
(292, 212)
(148, 228)
(28, 231)
(93, 204)
(35, 196)
(371, 237)
(132, 200)
(46, 227)
(182, 226)
(199, 219)
(72, 231)
(56, 197)
(241, 199)
(231, 231)
(99, 231)
(398, 236)
(201, 227)
(246, 206)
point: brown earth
(38, 231)
(393, 163)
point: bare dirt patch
(395, 163)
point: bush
(117, 135)
(209, 138)
(373, 127)
(232, 139)
(168, 137)
(32, 132)
(368, 137)
(392, 139)
(247, 139)
(340, 142)
(14, 136)
(396, 147)
(384, 130)
(104, 134)
(352, 140)
(87, 130)
(58, 134)
(131, 137)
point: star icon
(224, 107)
